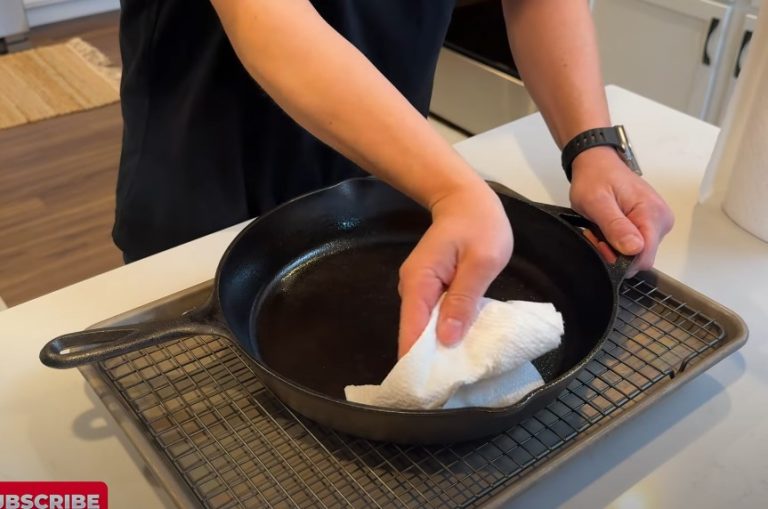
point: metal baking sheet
(215, 437)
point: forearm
(554, 45)
(326, 85)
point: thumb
(620, 232)
(460, 304)
(419, 293)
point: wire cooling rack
(198, 413)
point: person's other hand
(631, 215)
(462, 252)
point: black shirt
(204, 147)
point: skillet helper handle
(617, 270)
(502, 189)
(95, 345)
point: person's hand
(630, 214)
(462, 252)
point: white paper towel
(490, 367)
(738, 170)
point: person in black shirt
(232, 107)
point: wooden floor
(57, 182)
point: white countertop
(705, 446)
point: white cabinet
(13, 20)
(474, 96)
(739, 44)
(666, 50)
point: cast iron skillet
(309, 292)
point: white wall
(42, 12)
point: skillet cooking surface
(332, 320)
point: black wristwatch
(615, 137)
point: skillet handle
(617, 270)
(95, 345)
(502, 189)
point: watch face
(625, 150)
(630, 161)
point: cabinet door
(13, 19)
(474, 96)
(734, 67)
(666, 50)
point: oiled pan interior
(332, 320)
(310, 289)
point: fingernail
(630, 244)
(450, 330)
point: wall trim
(42, 12)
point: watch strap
(601, 136)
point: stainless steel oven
(477, 86)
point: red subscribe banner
(53, 495)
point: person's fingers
(419, 290)
(602, 247)
(653, 220)
(474, 274)
(652, 235)
(645, 260)
(620, 232)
